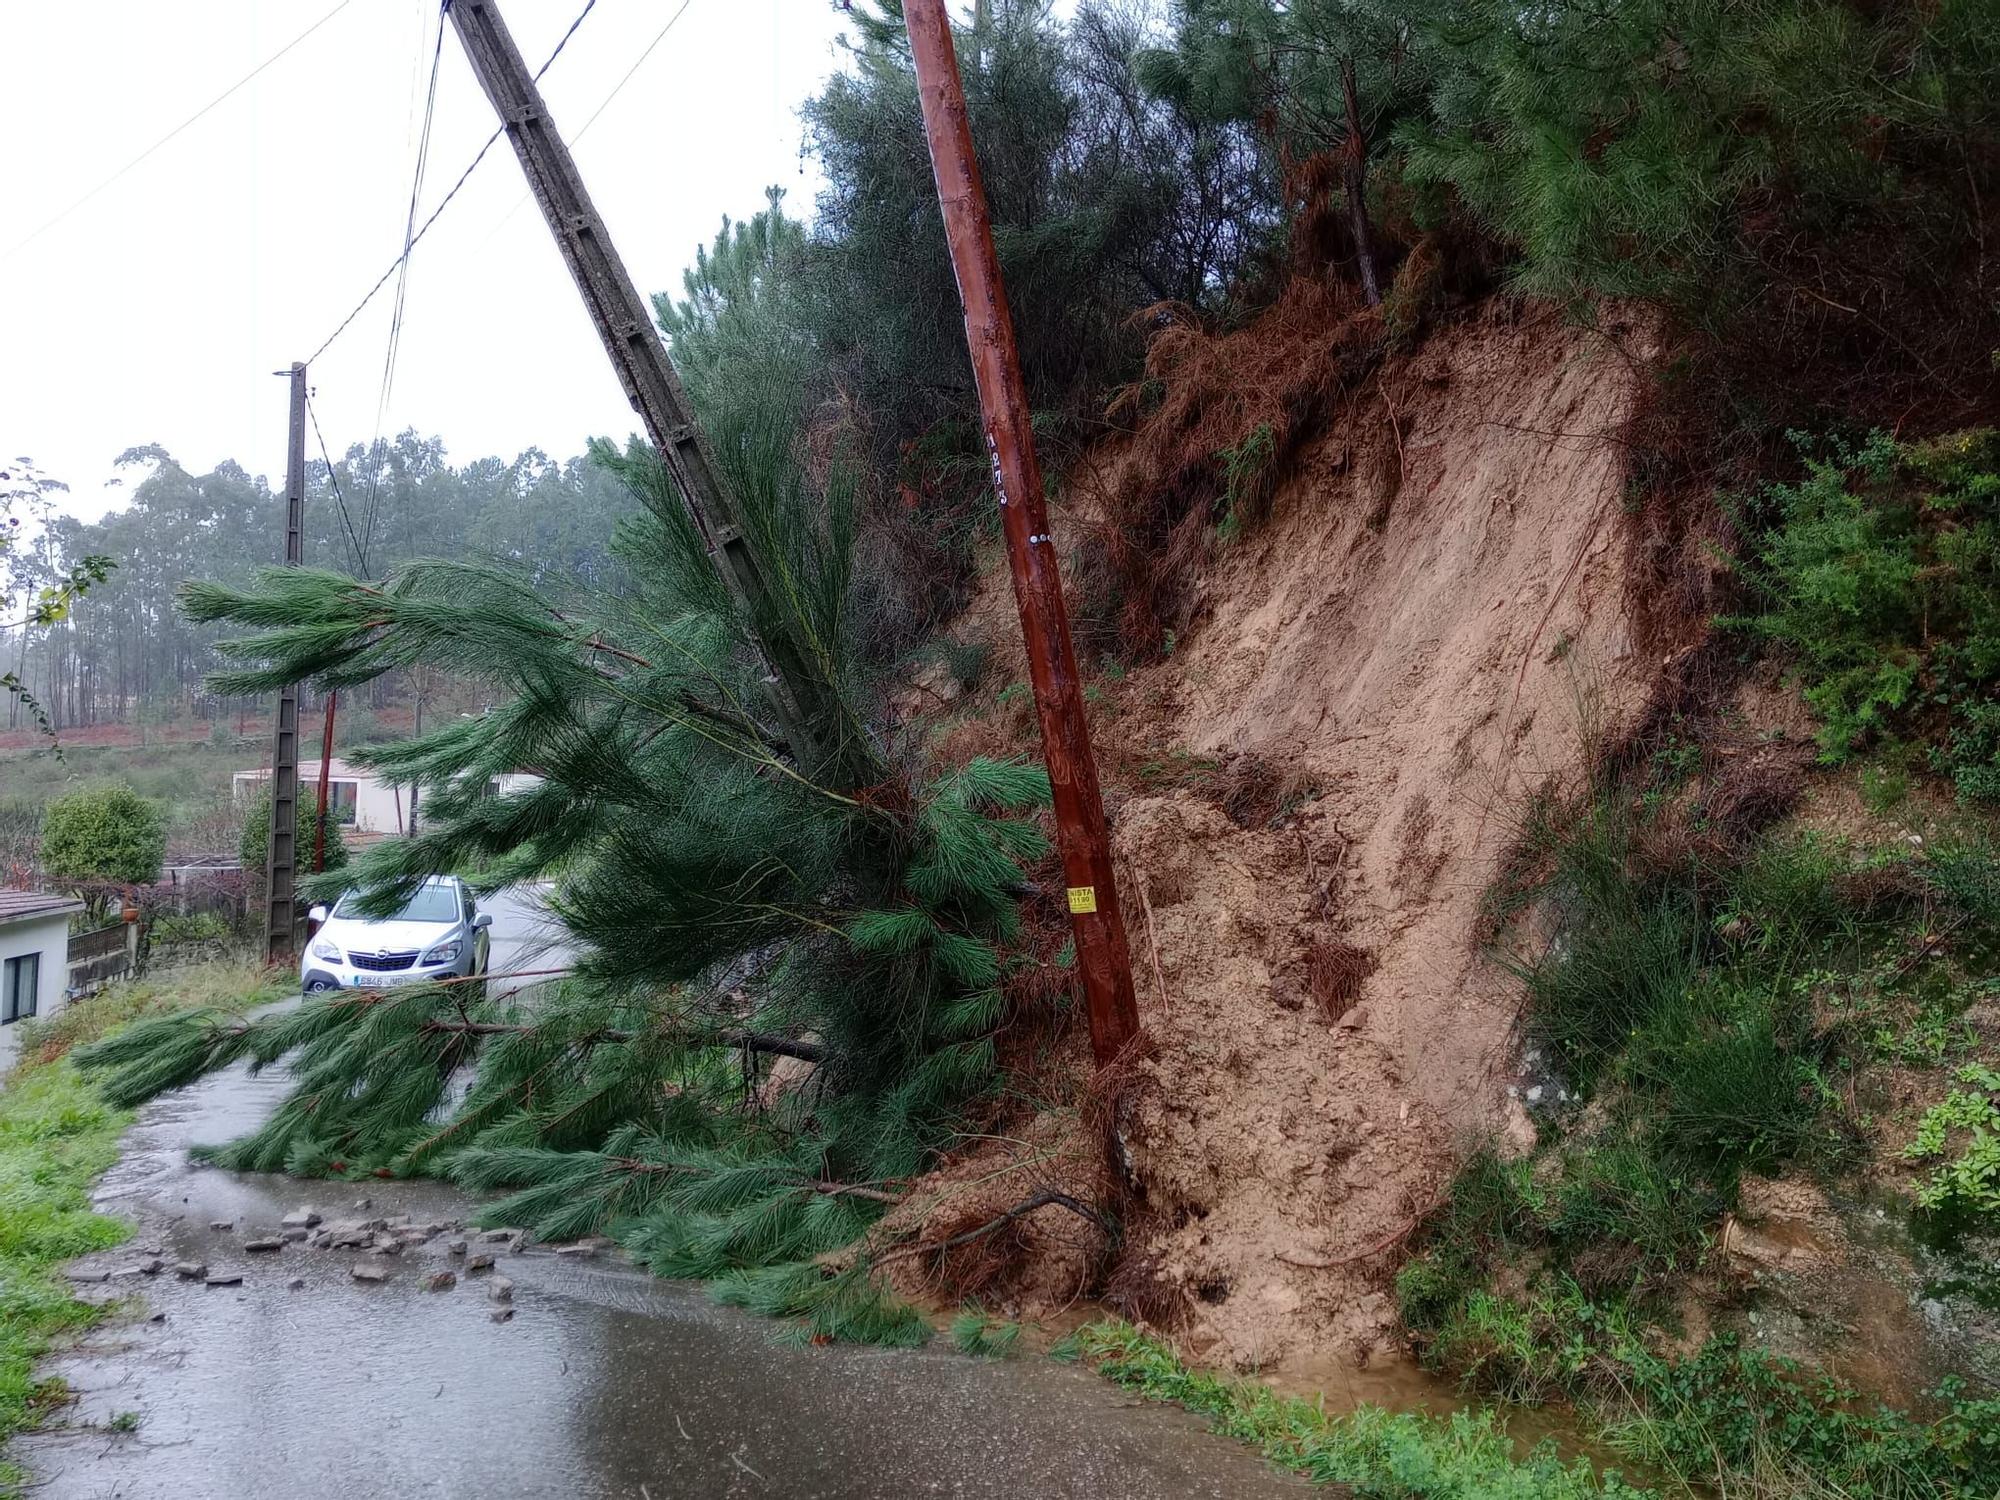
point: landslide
(1418, 603)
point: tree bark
(1354, 181)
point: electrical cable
(339, 499)
(463, 177)
(402, 283)
(636, 66)
(163, 140)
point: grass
(1394, 1455)
(189, 781)
(1714, 995)
(230, 987)
(57, 1135)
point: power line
(163, 140)
(577, 135)
(346, 520)
(402, 282)
(473, 166)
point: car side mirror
(484, 919)
(317, 914)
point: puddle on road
(605, 1383)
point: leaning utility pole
(281, 852)
(1031, 554)
(625, 325)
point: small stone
(496, 1236)
(518, 1243)
(222, 1226)
(86, 1277)
(300, 1218)
(225, 1278)
(502, 1314)
(1535, 1094)
(158, 1317)
(191, 1270)
(295, 1236)
(369, 1273)
(500, 1289)
(439, 1281)
(584, 1252)
(267, 1242)
(456, 1247)
(1355, 1019)
(362, 1205)
(296, 1284)
(129, 1273)
(479, 1263)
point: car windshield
(431, 903)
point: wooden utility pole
(325, 770)
(625, 325)
(281, 852)
(1031, 554)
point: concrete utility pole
(624, 323)
(1031, 555)
(281, 852)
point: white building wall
(48, 936)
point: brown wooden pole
(325, 767)
(1003, 399)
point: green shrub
(256, 841)
(103, 834)
(1881, 573)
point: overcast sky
(155, 313)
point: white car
(438, 934)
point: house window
(19, 983)
(340, 800)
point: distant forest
(129, 654)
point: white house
(357, 799)
(34, 961)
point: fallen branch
(1047, 1198)
(746, 1041)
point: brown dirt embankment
(1420, 630)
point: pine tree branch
(803, 1184)
(746, 1041)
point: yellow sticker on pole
(1082, 899)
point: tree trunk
(1354, 181)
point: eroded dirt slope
(1420, 632)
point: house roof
(18, 906)
(309, 771)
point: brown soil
(1429, 624)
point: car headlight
(321, 948)
(443, 953)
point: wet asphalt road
(604, 1383)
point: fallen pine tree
(734, 898)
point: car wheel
(321, 986)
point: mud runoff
(604, 1382)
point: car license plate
(380, 981)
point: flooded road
(604, 1382)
